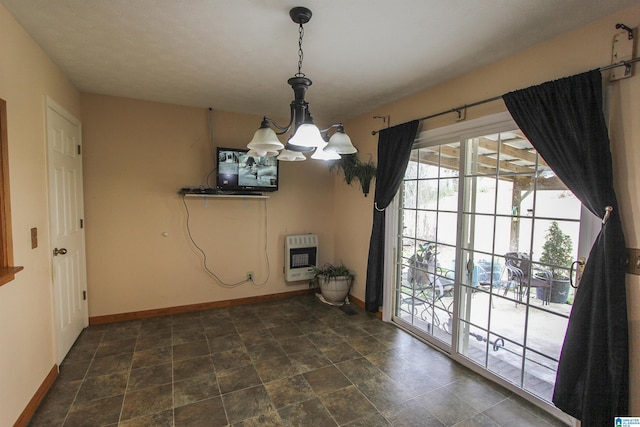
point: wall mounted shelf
(227, 196)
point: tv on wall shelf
(240, 175)
(238, 172)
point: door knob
(61, 251)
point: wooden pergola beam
(486, 164)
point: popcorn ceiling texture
(237, 55)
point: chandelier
(305, 136)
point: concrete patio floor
(506, 319)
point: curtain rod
(495, 98)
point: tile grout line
(84, 377)
(280, 338)
(126, 387)
(215, 370)
(173, 387)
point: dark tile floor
(294, 362)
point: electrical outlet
(249, 275)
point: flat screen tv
(239, 172)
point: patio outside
(477, 227)
(504, 352)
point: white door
(66, 227)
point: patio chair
(519, 271)
(421, 275)
(430, 284)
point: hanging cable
(266, 253)
(213, 150)
(203, 254)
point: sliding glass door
(429, 218)
(486, 237)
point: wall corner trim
(37, 398)
(359, 303)
(145, 314)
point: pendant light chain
(300, 53)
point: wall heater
(301, 255)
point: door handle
(61, 251)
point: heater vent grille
(301, 255)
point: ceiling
(236, 55)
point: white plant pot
(336, 289)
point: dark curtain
(394, 149)
(563, 120)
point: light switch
(34, 238)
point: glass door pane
(513, 302)
(426, 264)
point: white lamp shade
(307, 135)
(321, 154)
(341, 144)
(265, 139)
(291, 156)
(262, 153)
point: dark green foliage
(354, 169)
(331, 271)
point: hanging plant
(365, 174)
(354, 169)
(348, 164)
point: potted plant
(422, 263)
(557, 254)
(334, 281)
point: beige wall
(572, 53)
(26, 346)
(137, 155)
